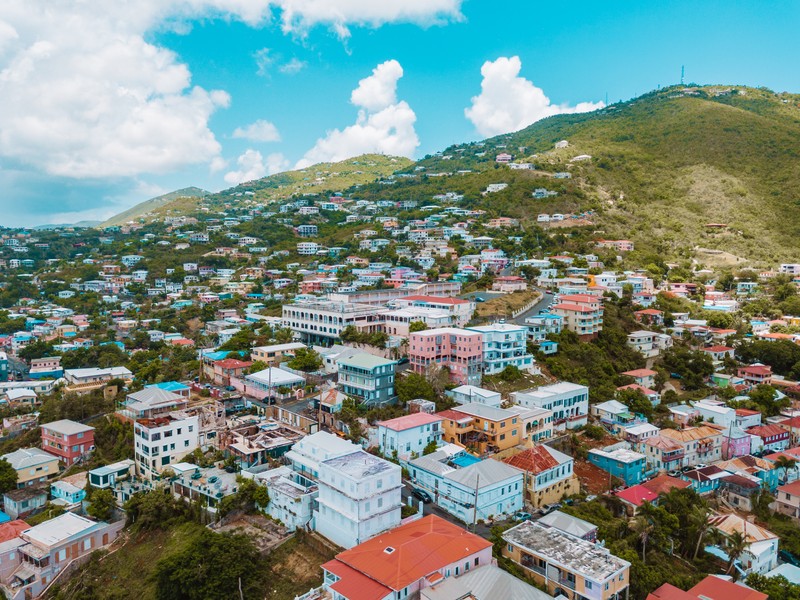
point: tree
(735, 545)
(774, 587)
(786, 464)
(698, 517)
(643, 528)
(413, 385)
(102, 505)
(212, 567)
(510, 374)
(719, 320)
(306, 359)
(430, 448)
(415, 326)
(8, 476)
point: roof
(717, 349)
(454, 415)
(353, 584)
(365, 361)
(59, 529)
(153, 396)
(664, 483)
(12, 529)
(484, 583)
(791, 488)
(729, 523)
(232, 363)
(67, 427)
(359, 464)
(764, 431)
(670, 592)
(486, 472)
(640, 373)
(28, 457)
(567, 523)
(690, 434)
(537, 459)
(715, 588)
(636, 495)
(411, 421)
(435, 300)
(275, 377)
(420, 548)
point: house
(149, 403)
(710, 588)
(409, 435)
(582, 314)
(662, 453)
(32, 465)
(504, 344)
(614, 413)
(269, 384)
(643, 377)
(549, 474)
(466, 394)
(787, 500)
(109, 475)
(569, 403)
(566, 565)
(509, 283)
(405, 560)
(482, 583)
(366, 377)
(359, 498)
(570, 525)
(70, 441)
(21, 502)
(471, 490)
(649, 316)
(306, 455)
(719, 352)
(706, 479)
(648, 343)
(761, 553)
(482, 429)
(755, 374)
(774, 438)
(39, 553)
(634, 497)
(460, 350)
(292, 497)
(750, 466)
(163, 440)
(273, 355)
(701, 444)
(739, 490)
(620, 461)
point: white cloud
(260, 131)
(264, 60)
(217, 164)
(252, 165)
(293, 66)
(508, 102)
(383, 125)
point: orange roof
(717, 349)
(353, 584)
(232, 363)
(410, 421)
(715, 588)
(12, 529)
(649, 311)
(419, 548)
(640, 373)
(746, 412)
(664, 483)
(573, 307)
(670, 592)
(534, 460)
(453, 415)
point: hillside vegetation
(150, 208)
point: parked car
(422, 495)
(522, 516)
(548, 508)
(591, 497)
(675, 473)
(701, 466)
(479, 299)
(403, 360)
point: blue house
(621, 462)
(64, 492)
(176, 387)
(367, 377)
(705, 480)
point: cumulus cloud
(260, 131)
(508, 102)
(252, 165)
(384, 124)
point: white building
(467, 394)
(408, 435)
(164, 440)
(291, 496)
(323, 321)
(306, 454)
(648, 343)
(568, 401)
(504, 344)
(359, 497)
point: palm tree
(643, 528)
(785, 463)
(736, 544)
(698, 518)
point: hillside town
(444, 404)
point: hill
(663, 166)
(150, 207)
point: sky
(106, 104)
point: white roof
(641, 428)
(472, 390)
(275, 377)
(58, 530)
(93, 372)
(16, 394)
(28, 457)
(67, 427)
(280, 347)
(483, 473)
(612, 406)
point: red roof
(670, 592)
(410, 421)
(764, 431)
(641, 373)
(664, 483)
(418, 549)
(453, 415)
(791, 488)
(757, 370)
(636, 495)
(353, 584)
(649, 311)
(715, 588)
(534, 460)
(717, 349)
(12, 529)
(746, 412)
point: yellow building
(567, 565)
(482, 429)
(32, 465)
(549, 474)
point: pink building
(458, 349)
(68, 440)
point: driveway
(544, 304)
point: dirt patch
(593, 479)
(505, 305)
(265, 534)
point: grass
(503, 306)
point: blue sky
(150, 102)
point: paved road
(543, 305)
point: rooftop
(359, 464)
(577, 555)
(483, 473)
(411, 421)
(59, 529)
(67, 427)
(537, 459)
(365, 361)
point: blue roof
(4, 518)
(465, 460)
(169, 386)
(548, 343)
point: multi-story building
(465, 394)
(582, 314)
(366, 377)
(648, 343)
(292, 497)
(568, 401)
(409, 435)
(504, 345)
(549, 474)
(32, 465)
(701, 445)
(359, 497)
(756, 374)
(542, 325)
(760, 554)
(482, 429)
(71, 442)
(620, 461)
(322, 322)
(164, 440)
(306, 454)
(3, 366)
(274, 354)
(406, 560)
(565, 564)
(460, 310)
(770, 438)
(662, 453)
(460, 350)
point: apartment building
(460, 310)
(367, 377)
(542, 325)
(359, 497)
(71, 442)
(482, 429)
(582, 314)
(321, 322)
(701, 445)
(620, 461)
(409, 435)
(504, 344)
(292, 496)
(649, 344)
(565, 564)
(549, 474)
(569, 403)
(460, 350)
(400, 563)
(306, 455)
(164, 440)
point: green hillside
(144, 210)
(662, 167)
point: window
(588, 584)
(185, 443)
(476, 561)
